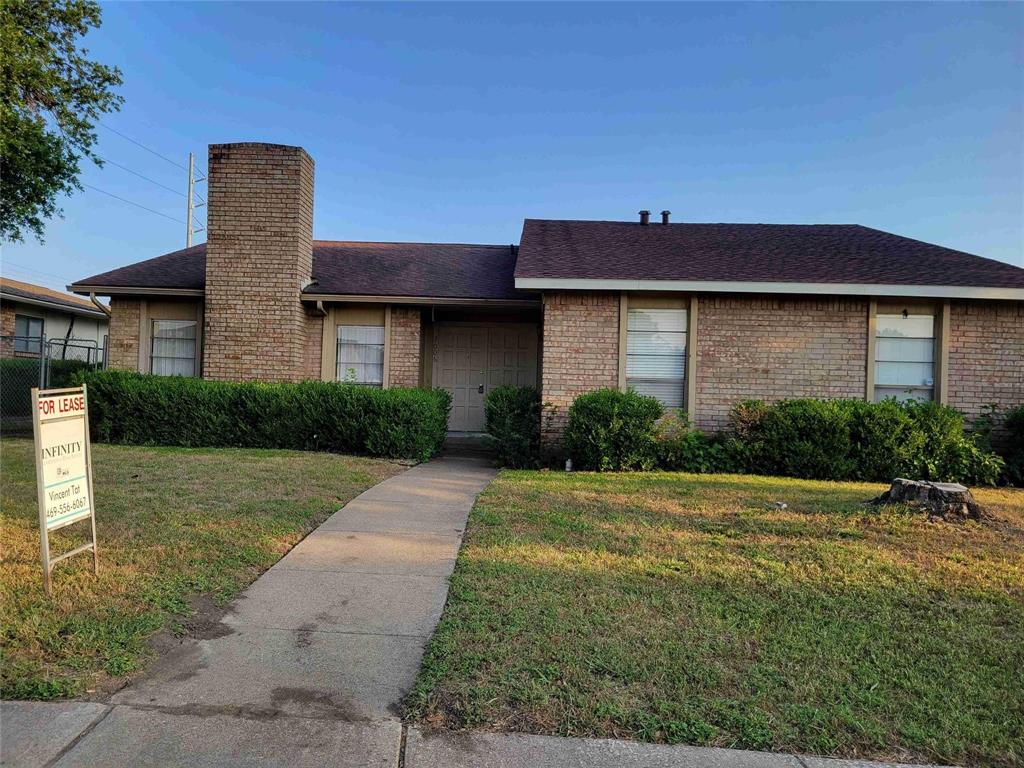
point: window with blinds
(905, 357)
(361, 354)
(656, 354)
(173, 351)
(28, 332)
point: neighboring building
(30, 314)
(699, 315)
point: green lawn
(685, 608)
(176, 527)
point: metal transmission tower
(191, 227)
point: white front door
(472, 359)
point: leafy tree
(52, 95)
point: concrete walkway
(312, 661)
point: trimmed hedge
(513, 426)
(856, 440)
(613, 430)
(140, 409)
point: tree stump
(948, 501)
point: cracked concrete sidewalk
(310, 664)
(86, 734)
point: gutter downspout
(99, 304)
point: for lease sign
(62, 454)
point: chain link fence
(34, 361)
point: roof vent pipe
(664, 216)
(645, 218)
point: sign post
(60, 423)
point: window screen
(361, 354)
(174, 348)
(656, 354)
(905, 357)
(27, 331)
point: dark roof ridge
(657, 225)
(409, 242)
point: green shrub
(855, 440)
(63, 372)
(682, 449)
(513, 426)
(948, 453)
(885, 440)
(138, 409)
(1014, 446)
(800, 438)
(613, 430)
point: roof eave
(737, 286)
(420, 300)
(118, 290)
(54, 305)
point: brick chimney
(259, 256)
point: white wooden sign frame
(56, 402)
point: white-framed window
(28, 332)
(173, 351)
(361, 354)
(656, 354)
(905, 356)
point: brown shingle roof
(609, 250)
(433, 270)
(442, 270)
(803, 253)
(184, 269)
(17, 289)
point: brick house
(698, 315)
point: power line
(131, 202)
(140, 144)
(146, 178)
(22, 268)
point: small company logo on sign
(63, 467)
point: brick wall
(777, 348)
(6, 327)
(580, 353)
(123, 334)
(986, 355)
(405, 347)
(259, 253)
(7, 314)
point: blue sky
(454, 122)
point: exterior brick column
(404, 358)
(123, 334)
(259, 255)
(314, 344)
(580, 354)
(7, 319)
